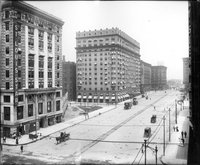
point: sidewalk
(55, 128)
(176, 152)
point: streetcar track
(105, 135)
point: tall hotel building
(145, 75)
(186, 72)
(30, 68)
(108, 65)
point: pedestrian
(22, 147)
(183, 141)
(185, 134)
(154, 108)
(4, 139)
(17, 141)
(182, 134)
(174, 128)
(177, 129)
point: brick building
(30, 68)
(145, 74)
(158, 77)
(69, 79)
(108, 65)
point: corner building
(30, 67)
(108, 66)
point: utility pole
(145, 154)
(175, 112)
(163, 135)
(169, 125)
(156, 154)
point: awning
(113, 98)
(79, 96)
(84, 97)
(101, 97)
(107, 97)
(95, 97)
(90, 97)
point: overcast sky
(161, 27)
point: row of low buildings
(36, 81)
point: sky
(161, 27)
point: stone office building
(108, 66)
(145, 74)
(30, 68)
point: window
(57, 94)
(30, 31)
(30, 84)
(41, 74)
(48, 106)
(20, 98)
(7, 85)
(7, 73)
(41, 84)
(7, 99)
(31, 61)
(49, 36)
(19, 85)
(49, 84)
(6, 113)
(58, 105)
(7, 50)
(7, 61)
(41, 34)
(49, 74)
(49, 62)
(31, 42)
(41, 45)
(50, 46)
(41, 62)
(19, 73)
(19, 62)
(20, 112)
(7, 38)
(57, 65)
(7, 25)
(58, 75)
(40, 108)
(30, 74)
(30, 110)
(7, 14)
(57, 38)
(58, 48)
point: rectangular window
(7, 25)
(41, 74)
(30, 31)
(49, 62)
(41, 34)
(7, 14)
(57, 94)
(49, 84)
(7, 38)
(58, 105)
(30, 84)
(41, 62)
(40, 108)
(49, 74)
(7, 73)
(6, 113)
(48, 106)
(58, 75)
(7, 50)
(49, 36)
(41, 84)
(20, 112)
(41, 45)
(20, 98)
(50, 46)
(19, 85)
(30, 61)
(19, 73)
(31, 42)
(7, 61)
(7, 85)
(19, 62)
(30, 74)
(30, 110)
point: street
(112, 137)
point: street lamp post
(163, 135)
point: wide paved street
(112, 137)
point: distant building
(158, 77)
(69, 79)
(145, 74)
(108, 65)
(30, 68)
(186, 72)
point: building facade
(108, 65)
(186, 72)
(145, 74)
(31, 68)
(158, 77)
(69, 79)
